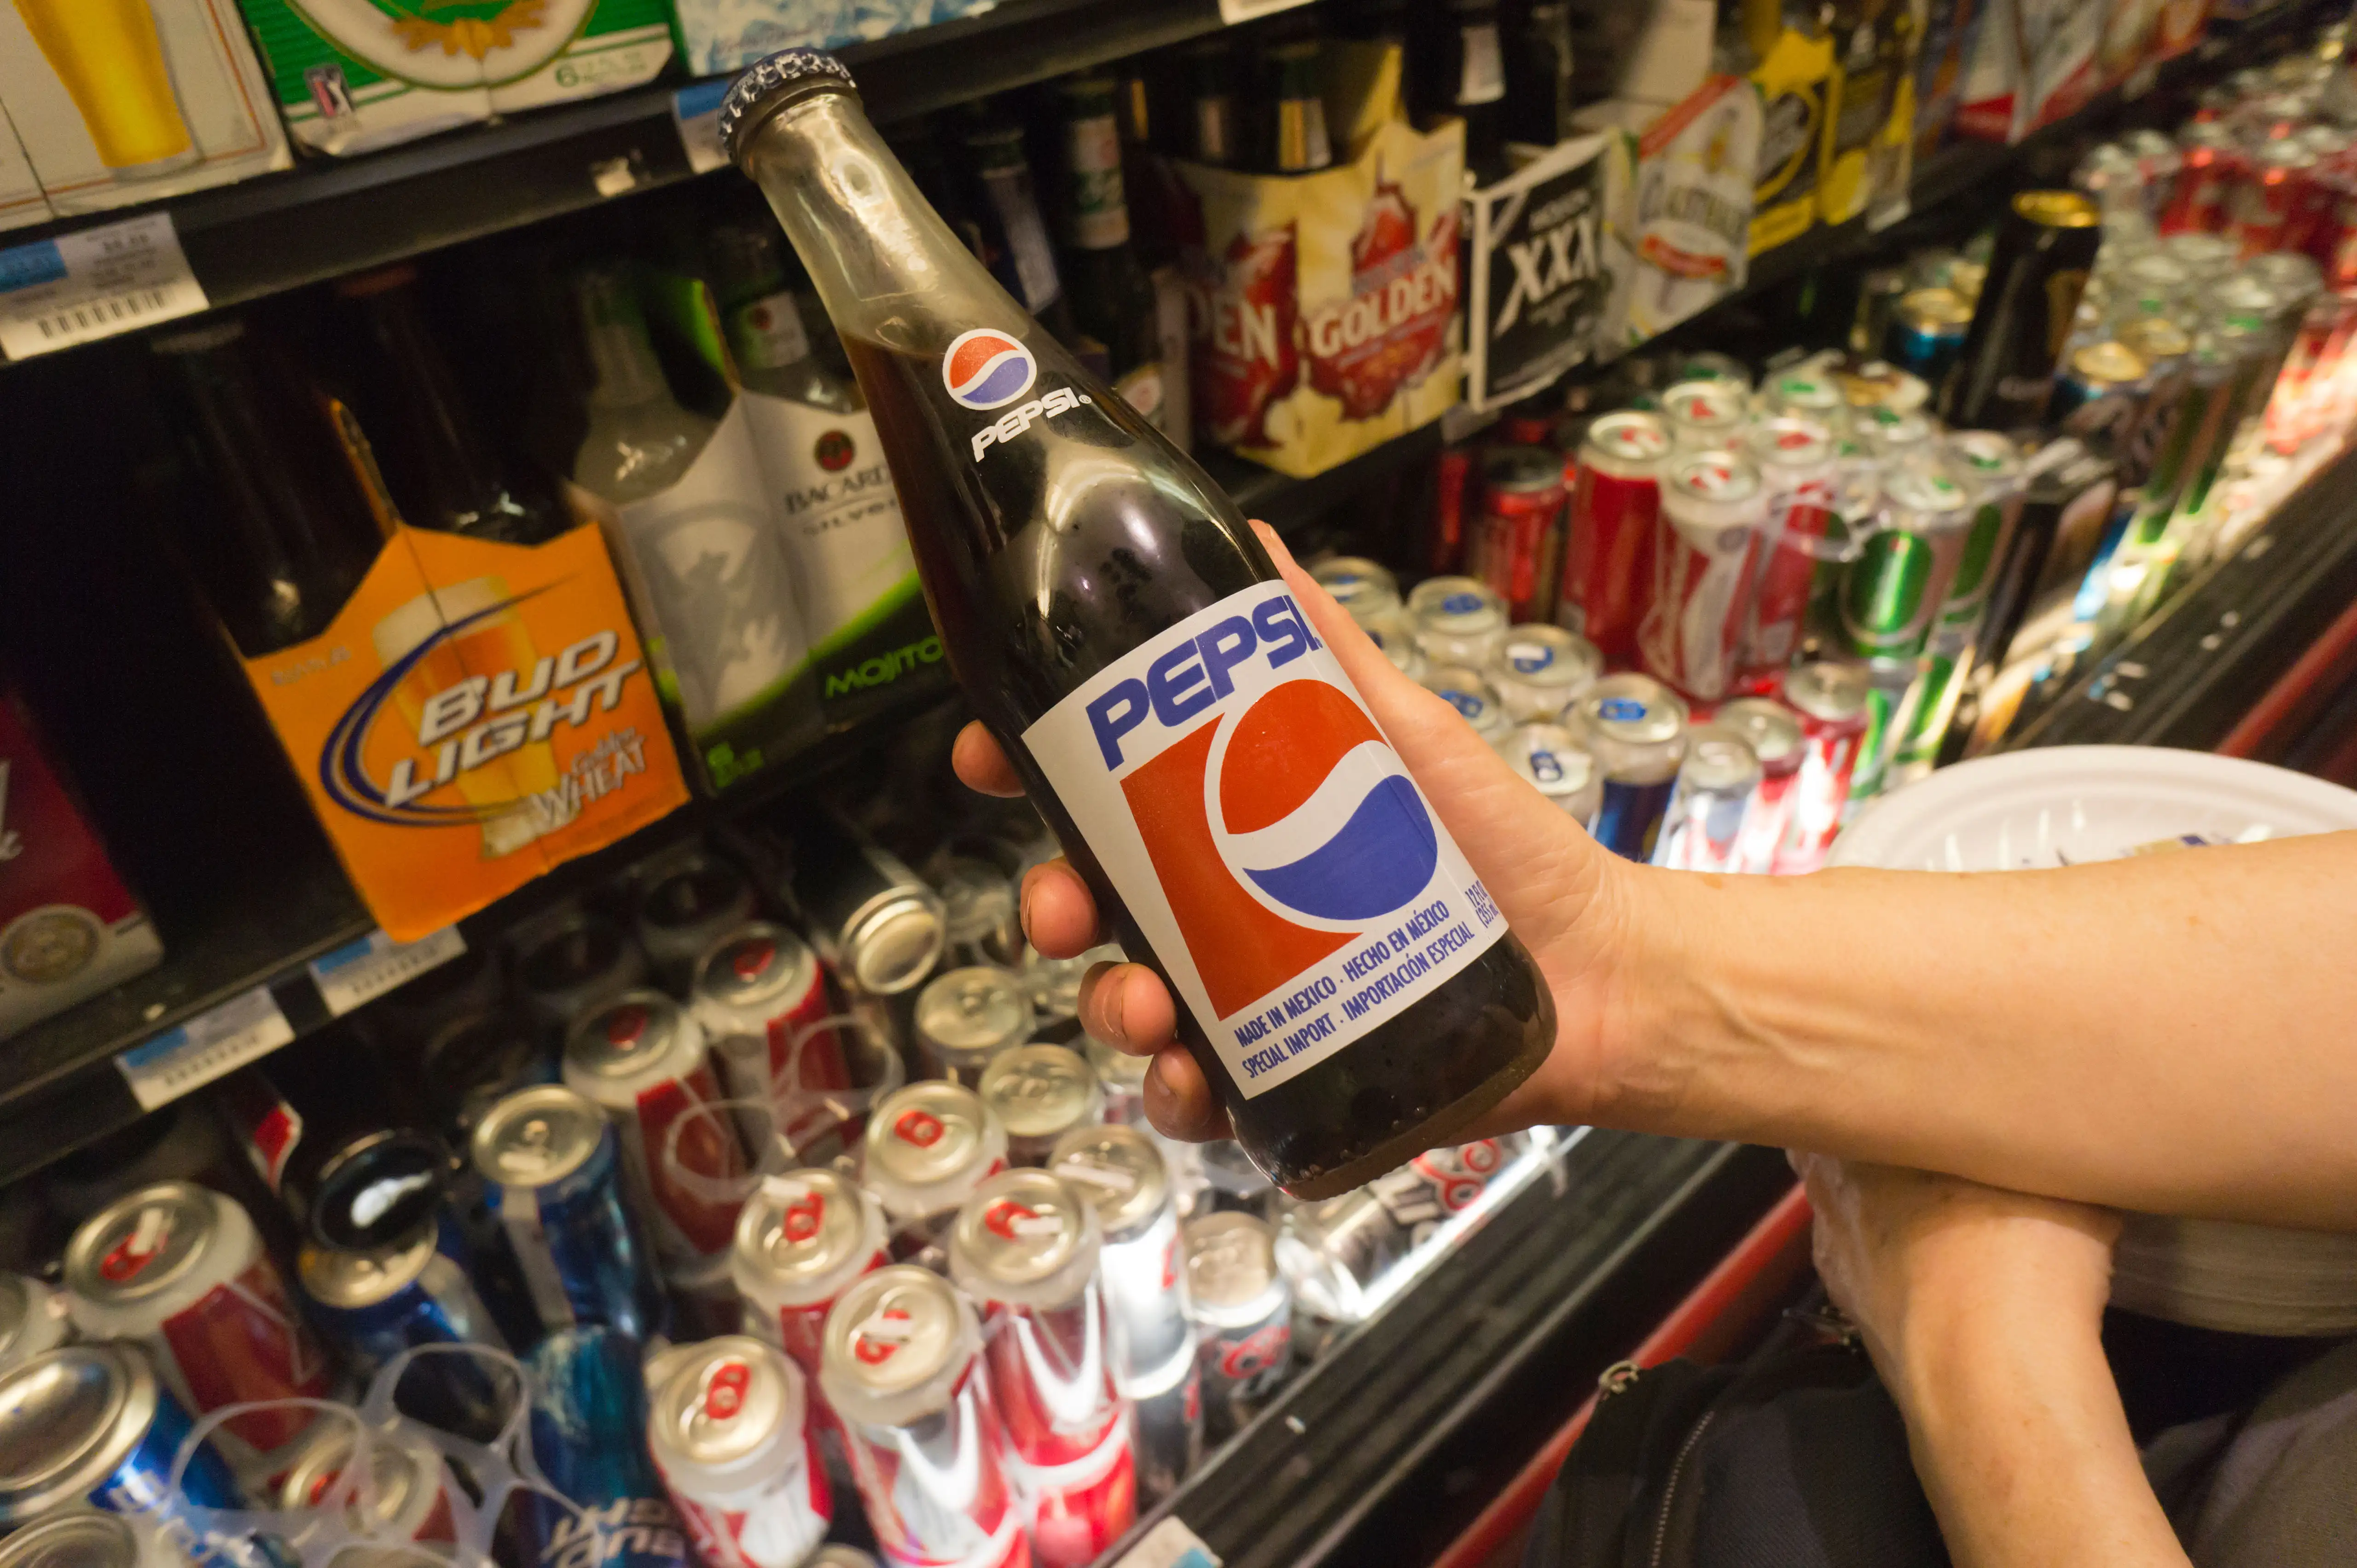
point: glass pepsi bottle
(1345, 982)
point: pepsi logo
(1464, 702)
(986, 369)
(1304, 765)
(1621, 708)
(1460, 604)
(1529, 657)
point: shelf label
(1169, 1544)
(247, 1026)
(365, 969)
(696, 111)
(95, 283)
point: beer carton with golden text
(1326, 317)
(477, 713)
(121, 101)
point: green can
(1991, 464)
(1894, 592)
(1892, 685)
(1932, 708)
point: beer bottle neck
(886, 266)
(1100, 208)
(619, 355)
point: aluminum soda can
(1703, 829)
(1457, 620)
(1365, 589)
(979, 912)
(1805, 391)
(801, 1238)
(1121, 1078)
(1242, 1306)
(1466, 689)
(1635, 727)
(1053, 985)
(1704, 416)
(75, 1537)
(1893, 686)
(375, 1305)
(1026, 1249)
(552, 1165)
(574, 963)
(1440, 1183)
(921, 1429)
(1927, 332)
(967, 1016)
(730, 1428)
(1608, 542)
(1713, 510)
(2153, 284)
(1039, 1092)
(642, 1060)
(95, 1425)
(1775, 733)
(1120, 1172)
(1991, 465)
(928, 1146)
(1518, 540)
(587, 1419)
(756, 990)
(405, 1493)
(2267, 210)
(2099, 391)
(1892, 594)
(1797, 464)
(1830, 699)
(1232, 1182)
(33, 1318)
(1338, 1254)
(1541, 670)
(1395, 638)
(877, 924)
(1166, 1428)
(180, 1269)
(2209, 164)
(686, 902)
(1556, 765)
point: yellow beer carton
(476, 715)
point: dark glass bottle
(1296, 138)
(1539, 77)
(1112, 300)
(1475, 76)
(1212, 134)
(1004, 200)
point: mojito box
(477, 715)
(354, 75)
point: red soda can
(180, 1269)
(2272, 199)
(1795, 460)
(1705, 415)
(1026, 1247)
(2199, 197)
(644, 1062)
(755, 989)
(801, 1238)
(928, 1146)
(1608, 548)
(1830, 699)
(1520, 527)
(1452, 478)
(1774, 732)
(728, 1426)
(407, 1491)
(1712, 506)
(902, 1369)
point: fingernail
(1164, 1073)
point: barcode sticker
(696, 111)
(93, 283)
(247, 1026)
(367, 969)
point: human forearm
(2168, 1033)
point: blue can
(1927, 332)
(93, 1423)
(375, 1305)
(1635, 727)
(589, 1437)
(549, 1157)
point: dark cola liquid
(1058, 553)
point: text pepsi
(1345, 981)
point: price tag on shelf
(244, 1028)
(1169, 1544)
(365, 969)
(1235, 11)
(95, 283)
(696, 111)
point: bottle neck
(1301, 142)
(1099, 209)
(620, 357)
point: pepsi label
(1274, 851)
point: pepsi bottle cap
(768, 87)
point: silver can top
(1024, 1237)
(1469, 693)
(1626, 443)
(977, 899)
(74, 1540)
(32, 1318)
(836, 1555)
(143, 1243)
(1791, 443)
(1118, 1172)
(1712, 483)
(1718, 759)
(802, 1233)
(896, 1345)
(926, 1145)
(1633, 710)
(969, 1013)
(724, 1407)
(1359, 586)
(1990, 457)
(1548, 656)
(697, 892)
(69, 1418)
(336, 1278)
(1769, 725)
(1230, 1259)
(639, 1039)
(1926, 494)
(1805, 391)
(1396, 641)
(891, 942)
(1458, 606)
(755, 966)
(537, 1137)
(1053, 984)
(1040, 1090)
(1705, 410)
(1549, 758)
(401, 1476)
(1827, 691)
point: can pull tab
(784, 1189)
(724, 1390)
(1088, 1173)
(133, 1253)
